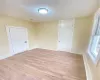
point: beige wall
(47, 35)
(82, 30)
(92, 69)
(9, 21)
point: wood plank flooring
(40, 64)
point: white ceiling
(58, 9)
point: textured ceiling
(58, 9)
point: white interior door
(65, 35)
(19, 39)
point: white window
(94, 47)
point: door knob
(25, 42)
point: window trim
(94, 29)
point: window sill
(95, 60)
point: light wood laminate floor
(40, 64)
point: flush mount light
(43, 10)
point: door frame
(9, 38)
(73, 25)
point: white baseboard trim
(33, 48)
(45, 48)
(9, 55)
(5, 56)
(87, 69)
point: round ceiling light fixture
(43, 11)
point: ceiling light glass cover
(43, 10)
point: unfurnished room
(49, 40)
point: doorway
(18, 39)
(65, 35)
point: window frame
(94, 29)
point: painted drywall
(82, 27)
(47, 35)
(9, 21)
(92, 69)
